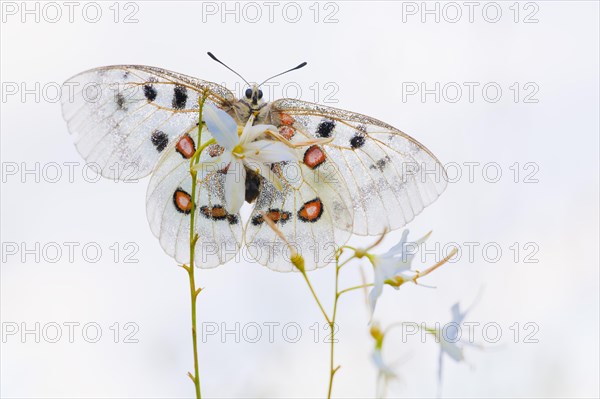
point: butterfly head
(253, 96)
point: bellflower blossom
(248, 149)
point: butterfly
(350, 173)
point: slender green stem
(346, 247)
(196, 156)
(344, 262)
(331, 321)
(338, 266)
(332, 369)
(356, 287)
(194, 294)
(314, 294)
(193, 240)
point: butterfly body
(252, 186)
(251, 103)
(351, 173)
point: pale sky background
(369, 55)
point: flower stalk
(332, 369)
(193, 241)
(298, 262)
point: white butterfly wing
(313, 212)
(131, 120)
(390, 176)
(168, 207)
(122, 117)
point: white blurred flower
(450, 340)
(385, 373)
(393, 267)
(248, 149)
(450, 343)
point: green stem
(333, 370)
(194, 294)
(193, 240)
(314, 294)
(357, 287)
(330, 322)
(344, 262)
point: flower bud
(377, 334)
(298, 261)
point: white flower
(449, 339)
(385, 373)
(240, 151)
(393, 267)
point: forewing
(168, 207)
(312, 211)
(123, 117)
(391, 177)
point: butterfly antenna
(279, 74)
(211, 55)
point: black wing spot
(325, 128)
(150, 92)
(276, 215)
(380, 164)
(160, 140)
(120, 99)
(257, 220)
(357, 141)
(284, 217)
(179, 97)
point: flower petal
(251, 133)
(269, 151)
(384, 268)
(373, 297)
(221, 126)
(392, 267)
(457, 315)
(398, 248)
(377, 289)
(452, 350)
(381, 366)
(235, 186)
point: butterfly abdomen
(252, 186)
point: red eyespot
(182, 201)
(186, 146)
(286, 119)
(287, 132)
(311, 211)
(314, 156)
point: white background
(368, 53)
